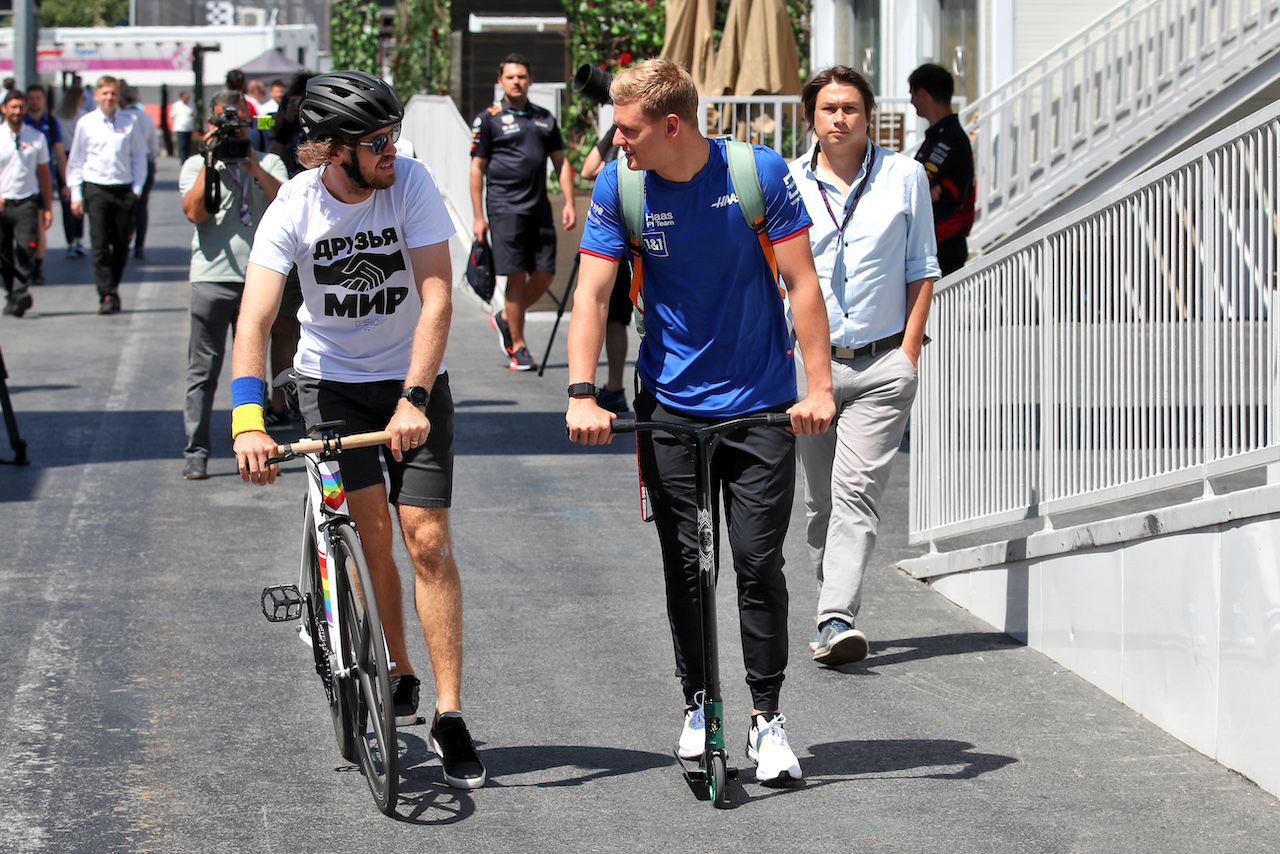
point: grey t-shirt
(220, 245)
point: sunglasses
(379, 142)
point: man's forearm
(919, 298)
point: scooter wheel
(718, 782)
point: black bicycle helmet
(348, 105)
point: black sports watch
(583, 388)
(417, 395)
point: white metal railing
(778, 122)
(1129, 347)
(1096, 96)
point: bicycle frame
(326, 507)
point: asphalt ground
(148, 706)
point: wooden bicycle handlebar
(355, 440)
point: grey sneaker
(839, 643)
(196, 468)
(522, 361)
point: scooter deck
(695, 775)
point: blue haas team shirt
(716, 340)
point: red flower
(624, 58)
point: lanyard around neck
(868, 164)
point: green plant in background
(420, 56)
(83, 13)
(354, 37)
(611, 34)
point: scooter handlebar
(769, 419)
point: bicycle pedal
(281, 603)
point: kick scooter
(709, 779)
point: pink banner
(109, 57)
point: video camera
(224, 143)
(593, 82)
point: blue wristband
(248, 390)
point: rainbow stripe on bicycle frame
(327, 584)
(331, 489)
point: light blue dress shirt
(888, 242)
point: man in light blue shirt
(875, 252)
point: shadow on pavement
(902, 650)
(426, 799)
(935, 759)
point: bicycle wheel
(339, 693)
(374, 719)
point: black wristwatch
(583, 388)
(417, 395)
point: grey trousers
(846, 471)
(214, 307)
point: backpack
(480, 272)
(745, 181)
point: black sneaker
(613, 401)
(499, 324)
(18, 303)
(451, 741)
(196, 468)
(110, 304)
(404, 698)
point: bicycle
(710, 779)
(339, 613)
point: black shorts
(523, 243)
(621, 308)
(424, 475)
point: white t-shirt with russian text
(360, 301)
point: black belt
(23, 199)
(883, 345)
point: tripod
(560, 306)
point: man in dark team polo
(510, 144)
(948, 160)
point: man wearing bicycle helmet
(369, 234)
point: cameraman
(225, 213)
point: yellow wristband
(247, 418)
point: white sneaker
(767, 746)
(693, 738)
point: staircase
(1131, 89)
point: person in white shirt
(106, 172)
(182, 121)
(26, 199)
(369, 234)
(875, 252)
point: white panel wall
(1249, 669)
(1044, 24)
(1183, 628)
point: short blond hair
(660, 87)
(107, 80)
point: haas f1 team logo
(363, 275)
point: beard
(376, 179)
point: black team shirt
(516, 143)
(948, 159)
